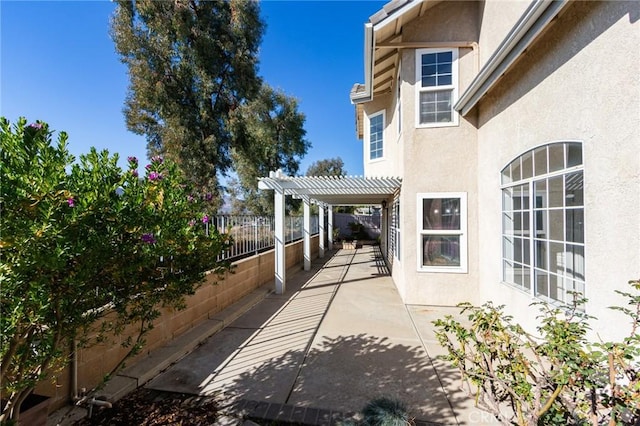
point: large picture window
(437, 83)
(442, 232)
(376, 135)
(543, 222)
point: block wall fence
(214, 295)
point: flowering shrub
(80, 240)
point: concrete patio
(339, 337)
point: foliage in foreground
(558, 378)
(386, 412)
(86, 250)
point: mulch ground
(145, 407)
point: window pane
(556, 258)
(556, 225)
(445, 57)
(506, 175)
(435, 106)
(507, 199)
(574, 186)
(508, 272)
(507, 223)
(526, 251)
(516, 174)
(556, 191)
(376, 131)
(428, 58)
(517, 249)
(440, 250)
(575, 225)
(556, 157)
(541, 283)
(540, 188)
(556, 288)
(444, 80)
(575, 261)
(507, 248)
(441, 213)
(541, 248)
(540, 160)
(574, 154)
(444, 68)
(428, 81)
(527, 165)
(526, 277)
(429, 70)
(541, 224)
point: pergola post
(321, 230)
(307, 234)
(330, 226)
(279, 211)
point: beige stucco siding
(437, 159)
(580, 81)
(496, 18)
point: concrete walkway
(339, 337)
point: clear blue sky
(58, 64)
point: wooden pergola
(326, 192)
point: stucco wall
(580, 81)
(438, 159)
(496, 18)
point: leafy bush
(80, 241)
(558, 378)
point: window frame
(539, 208)
(462, 232)
(369, 118)
(453, 87)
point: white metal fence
(254, 234)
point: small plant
(557, 378)
(386, 412)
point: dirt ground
(146, 407)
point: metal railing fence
(254, 234)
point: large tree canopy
(269, 135)
(327, 167)
(190, 63)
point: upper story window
(543, 242)
(376, 135)
(437, 83)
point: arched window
(543, 222)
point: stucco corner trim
(529, 26)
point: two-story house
(515, 128)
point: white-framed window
(437, 87)
(395, 227)
(543, 222)
(376, 135)
(442, 232)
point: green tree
(190, 64)
(268, 135)
(83, 241)
(327, 167)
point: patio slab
(339, 337)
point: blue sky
(58, 64)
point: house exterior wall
(496, 18)
(579, 81)
(441, 159)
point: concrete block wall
(214, 295)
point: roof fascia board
(532, 22)
(369, 48)
(396, 14)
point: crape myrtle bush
(555, 378)
(87, 249)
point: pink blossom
(71, 202)
(148, 238)
(205, 219)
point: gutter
(532, 22)
(369, 49)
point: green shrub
(82, 240)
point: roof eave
(526, 30)
(369, 47)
